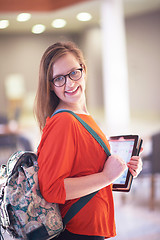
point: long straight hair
(46, 100)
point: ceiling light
(84, 16)
(22, 17)
(38, 28)
(4, 24)
(59, 23)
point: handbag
(24, 213)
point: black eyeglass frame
(81, 69)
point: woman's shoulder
(62, 120)
(58, 127)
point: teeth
(71, 91)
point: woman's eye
(73, 73)
(59, 79)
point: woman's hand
(114, 167)
(135, 165)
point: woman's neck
(77, 108)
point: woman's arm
(81, 186)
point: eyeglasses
(74, 75)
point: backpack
(24, 213)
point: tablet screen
(123, 148)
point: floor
(137, 223)
(134, 218)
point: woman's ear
(84, 74)
(84, 70)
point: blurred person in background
(71, 163)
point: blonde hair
(46, 100)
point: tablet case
(126, 185)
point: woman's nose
(69, 81)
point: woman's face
(73, 91)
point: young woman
(71, 163)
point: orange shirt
(67, 149)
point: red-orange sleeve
(56, 155)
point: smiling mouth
(72, 91)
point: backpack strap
(77, 206)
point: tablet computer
(125, 147)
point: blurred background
(120, 40)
